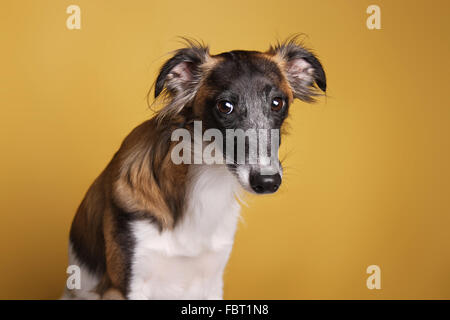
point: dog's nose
(264, 183)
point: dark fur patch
(86, 234)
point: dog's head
(244, 96)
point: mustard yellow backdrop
(367, 168)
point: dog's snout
(262, 183)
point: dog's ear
(302, 68)
(182, 72)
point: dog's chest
(188, 261)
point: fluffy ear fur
(182, 70)
(302, 68)
(180, 76)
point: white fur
(188, 261)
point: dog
(151, 228)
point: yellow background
(367, 170)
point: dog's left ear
(179, 78)
(302, 68)
(183, 70)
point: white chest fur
(188, 261)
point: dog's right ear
(183, 71)
(303, 69)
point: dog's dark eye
(225, 107)
(277, 104)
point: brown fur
(141, 181)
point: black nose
(264, 183)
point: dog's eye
(277, 104)
(225, 107)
